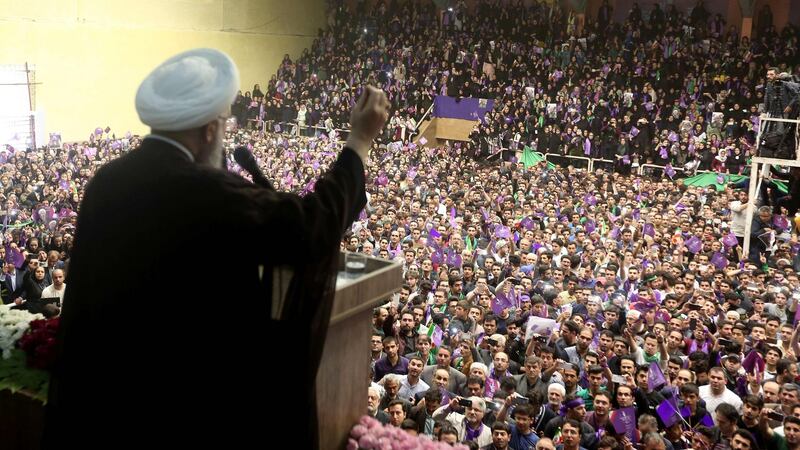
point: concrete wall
(91, 55)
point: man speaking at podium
(173, 339)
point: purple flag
(453, 212)
(454, 259)
(589, 226)
(590, 200)
(614, 232)
(636, 214)
(730, 240)
(437, 257)
(754, 362)
(719, 260)
(679, 208)
(382, 180)
(673, 136)
(634, 131)
(502, 232)
(437, 335)
(484, 213)
(667, 410)
(655, 377)
(663, 153)
(626, 159)
(694, 244)
(587, 147)
(423, 141)
(649, 230)
(781, 222)
(669, 171)
(624, 421)
(497, 308)
(527, 223)
(434, 233)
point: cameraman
(780, 98)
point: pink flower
(358, 431)
(352, 444)
(369, 422)
(368, 442)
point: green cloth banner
(531, 158)
(19, 225)
(710, 178)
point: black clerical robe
(167, 335)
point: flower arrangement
(370, 434)
(13, 324)
(39, 343)
(27, 343)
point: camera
(775, 415)
(465, 402)
(520, 400)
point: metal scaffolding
(760, 165)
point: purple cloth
(694, 244)
(667, 410)
(719, 260)
(649, 230)
(624, 421)
(502, 232)
(465, 109)
(730, 240)
(655, 377)
(669, 171)
(781, 222)
(527, 223)
(754, 362)
(437, 336)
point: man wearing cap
(172, 196)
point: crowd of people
(662, 87)
(541, 307)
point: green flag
(711, 179)
(531, 158)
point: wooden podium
(342, 380)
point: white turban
(188, 90)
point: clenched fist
(367, 119)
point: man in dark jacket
(181, 346)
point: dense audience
(542, 306)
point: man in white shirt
(715, 393)
(738, 214)
(411, 385)
(57, 288)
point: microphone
(246, 161)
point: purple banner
(465, 108)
